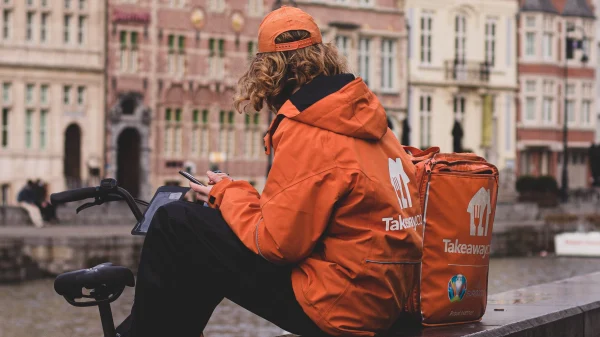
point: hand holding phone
(191, 178)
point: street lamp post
(565, 159)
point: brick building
(172, 70)
(546, 75)
(52, 93)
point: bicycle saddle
(105, 275)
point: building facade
(173, 67)
(52, 83)
(372, 36)
(554, 81)
(463, 76)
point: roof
(578, 8)
(539, 6)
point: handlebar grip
(73, 195)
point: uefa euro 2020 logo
(457, 288)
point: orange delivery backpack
(458, 198)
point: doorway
(128, 161)
(72, 159)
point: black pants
(190, 261)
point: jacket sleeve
(285, 223)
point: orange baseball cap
(282, 20)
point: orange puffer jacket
(341, 202)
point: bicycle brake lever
(85, 206)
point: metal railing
(467, 73)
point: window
(176, 58)
(80, 95)
(547, 111)
(426, 23)
(364, 59)
(44, 94)
(82, 4)
(425, 111)
(67, 4)
(530, 22)
(530, 86)
(585, 112)
(343, 45)
(231, 134)
(29, 26)
(7, 24)
(252, 49)
(6, 93)
(5, 193)
(171, 58)
(178, 136)
(459, 107)
(29, 94)
(253, 137)
(168, 132)
(29, 2)
(221, 60)
(81, 30)
(67, 29)
(133, 55)
(44, 27)
(28, 128)
(222, 48)
(5, 127)
(44, 3)
(530, 109)
(529, 44)
(123, 54)
(570, 89)
(570, 111)
(255, 8)
(181, 55)
(67, 94)
(216, 5)
(43, 129)
(388, 62)
(204, 133)
(490, 43)
(365, 3)
(547, 46)
(460, 39)
(216, 63)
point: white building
(52, 92)
(463, 68)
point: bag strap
(414, 152)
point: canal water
(32, 309)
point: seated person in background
(27, 199)
(328, 247)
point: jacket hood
(341, 104)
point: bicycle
(105, 282)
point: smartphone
(191, 178)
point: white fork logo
(480, 206)
(400, 182)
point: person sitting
(26, 198)
(330, 246)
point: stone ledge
(569, 307)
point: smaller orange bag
(458, 196)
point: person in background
(331, 246)
(27, 199)
(46, 208)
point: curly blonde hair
(271, 78)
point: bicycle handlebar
(107, 187)
(74, 195)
